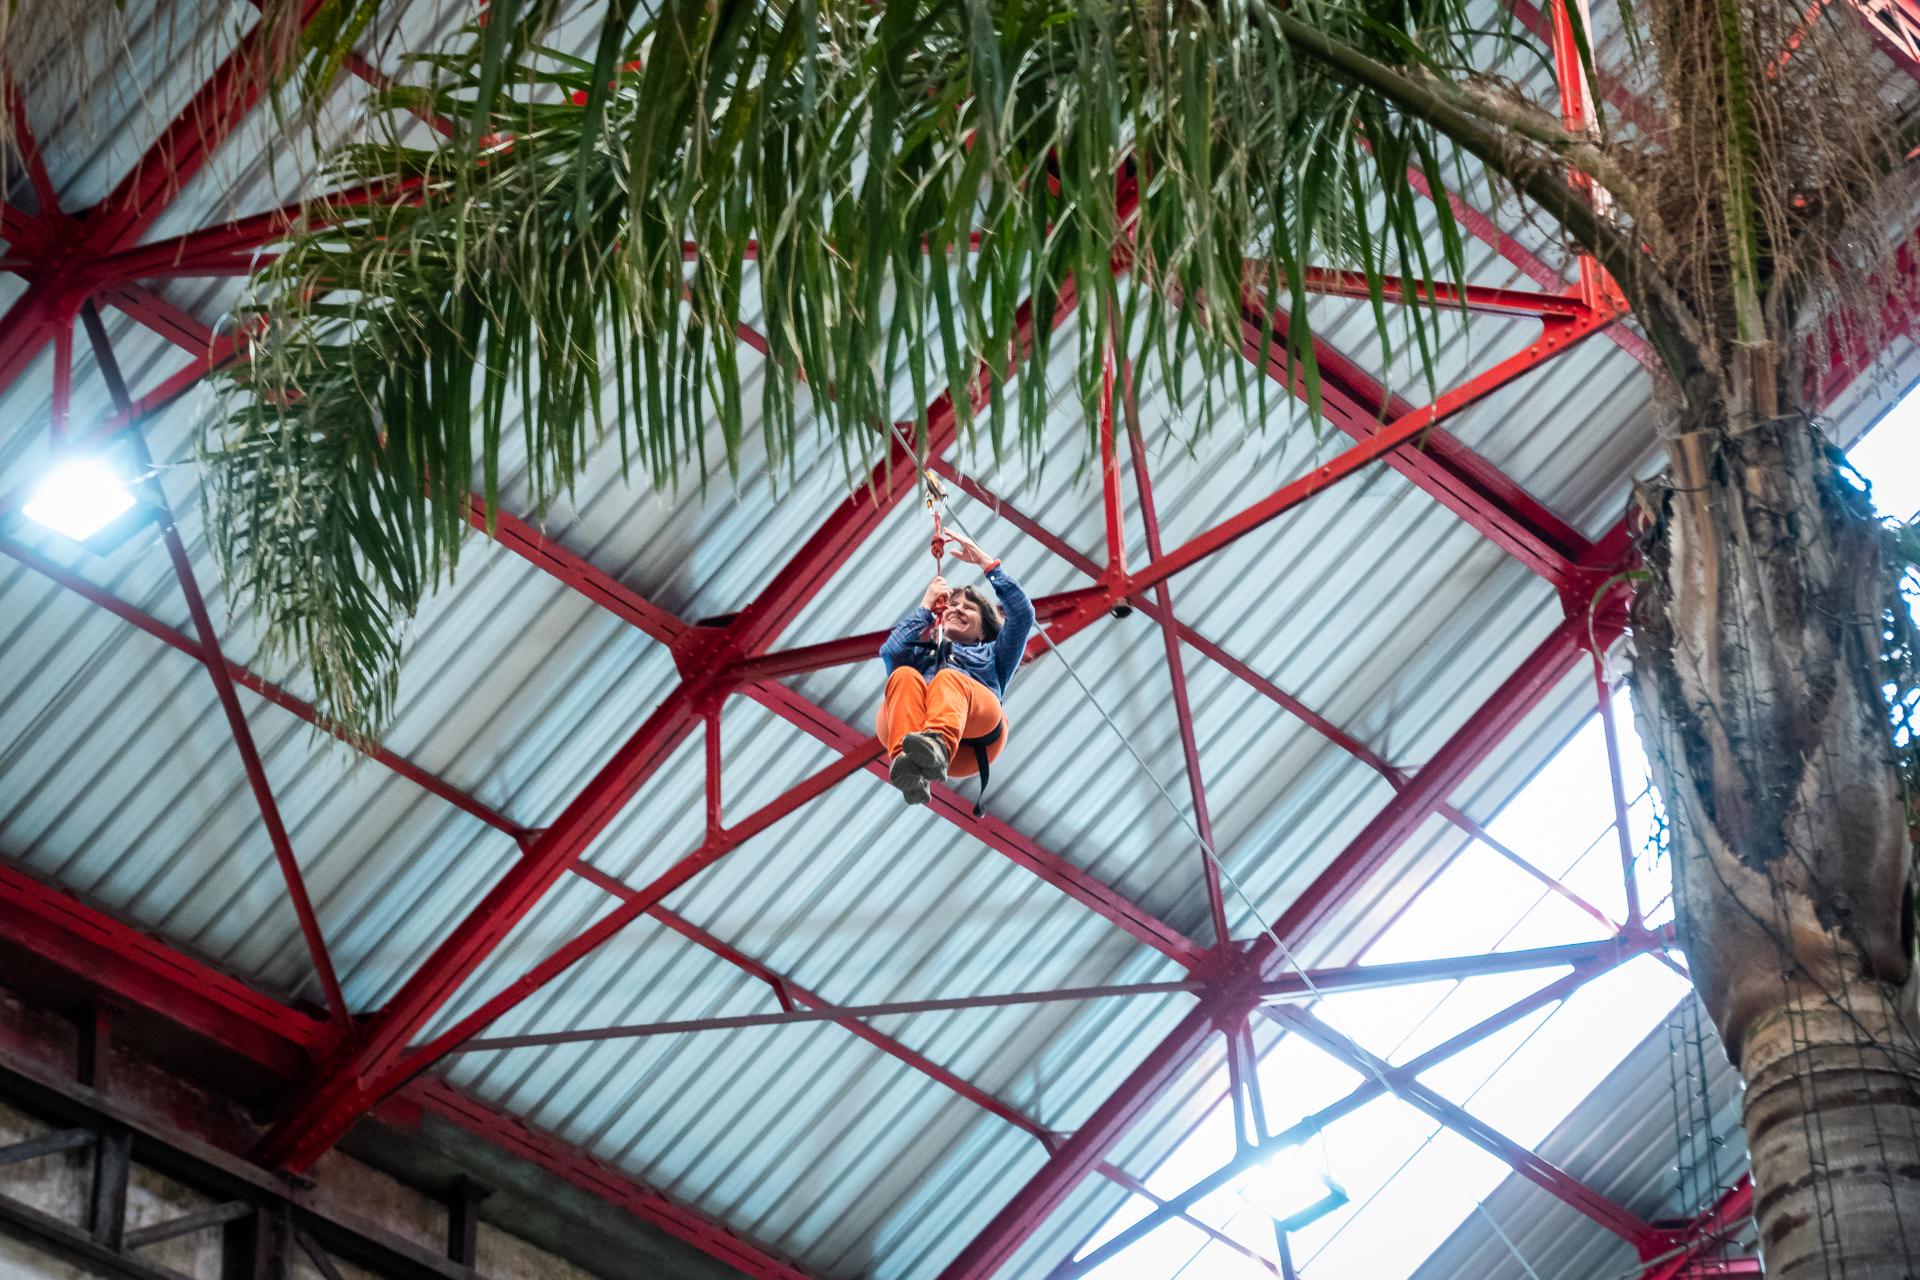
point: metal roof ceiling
(1372, 604)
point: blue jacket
(991, 662)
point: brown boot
(911, 783)
(927, 752)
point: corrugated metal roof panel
(1371, 603)
(1623, 1148)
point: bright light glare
(79, 498)
(1290, 1187)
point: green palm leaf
(902, 177)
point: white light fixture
(1291, 1187)
(79, 498)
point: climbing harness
(943, 518)
(936, 500)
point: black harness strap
(980, 745)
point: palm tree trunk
(1834, 1134)
(1758, 641)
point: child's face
(962, 619)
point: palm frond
(914, 184)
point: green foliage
(1901, 663)
(891, 193)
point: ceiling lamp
(88, 499)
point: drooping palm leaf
(890, 185)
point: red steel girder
(1489, 299)
(216, 665)
(1630, 105)
(1176, 669)
(1360, 977)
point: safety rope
(937, 504)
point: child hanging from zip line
(948, 665)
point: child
(941, 696)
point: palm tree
(885, 183)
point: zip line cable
(937, 503)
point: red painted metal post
(1176, 668)
(1576, 114)
(1629, 104)
(1110, 468)
(216, 665)
(27, 147)
(62, 398)
(711, 735)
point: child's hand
(969, 550)
(936, 595)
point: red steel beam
(27, 147)
(216, 665)
(1290, 986)
(1110, 470)
(1176, 669)
(1355, 285)
(1631, 107)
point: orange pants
(951, 705)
